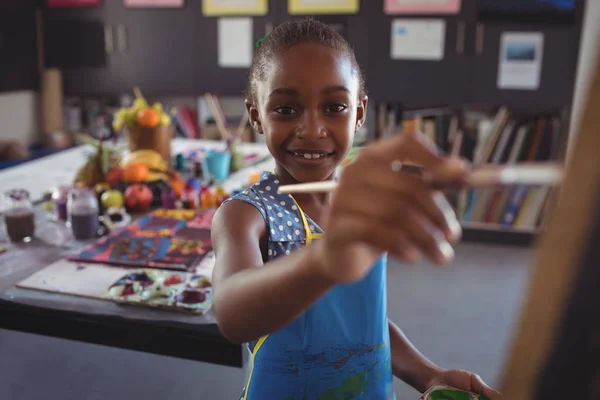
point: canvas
(165, 239)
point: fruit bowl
(157, 139)
(148, 127)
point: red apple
(114, 176)
(138, 197)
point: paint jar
(19, 217)
(217, 164)
(83, 210)
(60, 196)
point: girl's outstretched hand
(377, 209)
(465, 380)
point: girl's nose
(312, 127)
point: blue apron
(339, 348)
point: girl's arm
(250, 302)
(408, 364)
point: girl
(312, 305)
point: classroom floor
(461, 316)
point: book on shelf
(504, 138)
(511, 139)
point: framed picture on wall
(308, 7)
(422, 6)
(155, 3)
(73, 3)
(544, 11)
(220, 8)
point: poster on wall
(306, 7)
(422, 6)
(215, 8)
(418, 39)
(155, 3)
(520, 64)
(235, 42)
(73, 3)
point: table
(97, 321)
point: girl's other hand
(378, 209)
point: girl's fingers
(380, 182)
(387, 219)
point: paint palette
(443, 392)
(179, 291)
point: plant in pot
(147, 127)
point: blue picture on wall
(527, 10)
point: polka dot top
(281, 214)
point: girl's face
(308, 107)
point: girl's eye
(285, 110)
(336, 108)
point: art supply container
(83, 212)
(237, 157)
(168, 198)
(217, 164)
(19, 217)
(443, 392)
(60, 196)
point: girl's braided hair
(289, 34)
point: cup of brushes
(236, 156)
(147, 127)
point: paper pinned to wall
(418, 39)
(304, 7)
(422, 6)
(212, 8)
(520, 60)
(235, 42)
(154, 3)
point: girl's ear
(254, 116)
(361, 112)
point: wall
(19, 119)
(590, 44)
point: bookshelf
(511, 215)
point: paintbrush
(524, 174)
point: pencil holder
(158, 139)
(217, 164)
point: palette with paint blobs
(179, 291)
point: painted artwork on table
(422, 6)
(308, 7)
(155, 241)
(74, 3)
(155, 3)
(175, 291)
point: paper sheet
(304, 7)
(520, 60)
(212, 8)
(418, 39)
(154, 3)
(235, 42)
(422, 6)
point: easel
(556, 350)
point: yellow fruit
(139, 104)
(158, 108)
(165, 120)
(151, 158)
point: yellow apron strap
(309, 235)
(259, 343)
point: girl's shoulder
(259, 194)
